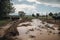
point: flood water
(37, 30)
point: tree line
(53, 15)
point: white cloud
(50, 1)
(24, 7)
(19, 0)
(54, 4)
(34, 1)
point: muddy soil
(37, 30)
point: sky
(36, 6)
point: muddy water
(37, 31)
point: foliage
(55, 14)
(5, 8)
(37, 15)
(4, 22)
(50, 14)
(33, 15)
(21, 13)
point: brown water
(37, 31)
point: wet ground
(37, 30)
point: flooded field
(37, 30)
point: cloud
(34, 1)
(52, 3)
(24, 7)
(34, 6)
(19, 0)
(16, 1)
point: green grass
(3, 22)
(44, 17)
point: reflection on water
(37, 31)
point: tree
(50, 14)
(5, 8)
(37, 15)
(55, 16)
(33, 15)
(21, 13)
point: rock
(59, 28)
(31, 29)
(50, 31)
(40, 33)
(32, 36)
(58, 32)
(26, 25)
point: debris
(25, 25)
(50, 31)
(40, 33)
(58, 32)
(32, 36)
(31, 29)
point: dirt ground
(52, 21)
(37, 30)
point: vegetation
(5, 8)
(50, 14)
(4, 22)
(33, 15)
(21, 14)
(37, 15)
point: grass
(30, 17)
(3, 22)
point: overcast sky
(37, 6)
